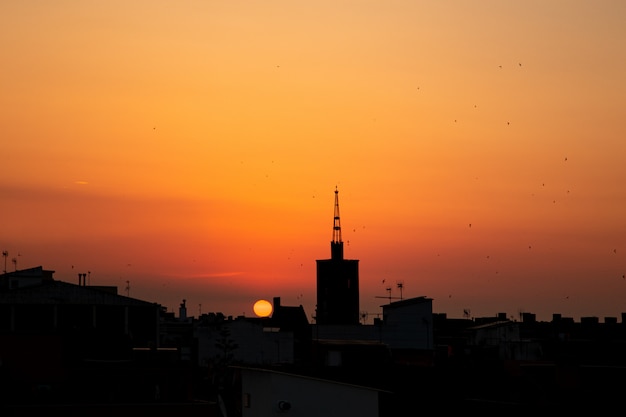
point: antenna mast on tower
(337, 222)
(336, 246)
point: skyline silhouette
(67, 347)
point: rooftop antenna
(364, 315)
(400, 286)
(389, 297)
(14, 260)
(128, 288)
(5, 254)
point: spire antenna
(337, 222)
(336, 245)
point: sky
(190, 150)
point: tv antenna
(400, 285)
(5, 254)
(128, 288)
(389, 297)
(364, 315)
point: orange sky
(192, 148)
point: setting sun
(262, 308)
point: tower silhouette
(337, 282)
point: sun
(262, 308)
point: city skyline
(191, 151)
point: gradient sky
(192, 149)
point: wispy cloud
(219, 274)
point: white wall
(308, 397)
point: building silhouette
(76, 349)
(65, 343)
(337, 282)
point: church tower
(337, 282)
